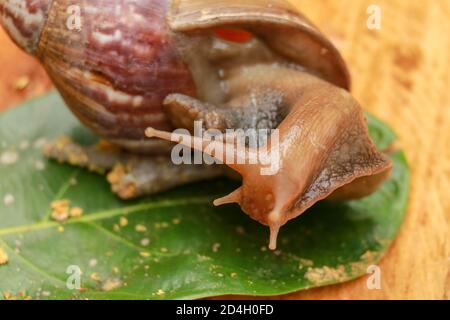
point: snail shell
(116, 69)
(24, 21)
(285, 30)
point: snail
(134, 70)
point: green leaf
(195, 250)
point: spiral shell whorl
(24, 21)
(117, 68)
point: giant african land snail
(162, 64)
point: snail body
(323, 149)
(160, 65)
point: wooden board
(401, 73)
(21, 77)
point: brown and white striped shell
(117, 68)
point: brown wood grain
(401, 74)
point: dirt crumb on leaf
(8, 199)
(326, 274)
(144, 254)
(62, 211)
(76, 212)
(140, 228)
(3, 257)
(216, 247)
(93, 263)
(94, 276)
(111, 284)
(123, 221)
(9, 157)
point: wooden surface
(401, 74)
(20, 76)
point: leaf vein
(125, 241)
(100, 215)
(31, 265)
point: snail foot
(129, 175)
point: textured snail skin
(323, 149)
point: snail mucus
(138, 69)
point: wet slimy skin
(323, 145)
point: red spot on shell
(233, 35)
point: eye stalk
(24, 21)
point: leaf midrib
(100, 215)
